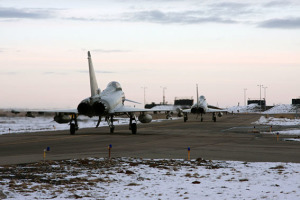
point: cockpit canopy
(115, 85)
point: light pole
(245, 89)
(260, 95)
(164, 88)
(144, 95)
(265, 92)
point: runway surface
(230, 138)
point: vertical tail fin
(93, 80)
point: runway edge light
(109, 149)
(44, 154)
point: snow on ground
(252, 108)
(244, 109)
(277, 121)
(28, 124)
(281, 108)
(292, 139)
(128, 178)
(271, 121)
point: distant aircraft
(201, 107)
(108, 103)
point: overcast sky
(224, 46)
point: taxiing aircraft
(107, 103)
(201, 107)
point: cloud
(230, 5)
(184, 17)
(97, 71)
(277, 3)
(292, 23)
(111, 51)
(54, 73)
(9, 13)
(81, 19)
(9, 73)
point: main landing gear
(73, 124)
(185, 117)
(132, 124)
(214, 117)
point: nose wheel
(73, 124)
(110, 122)
(112, 129)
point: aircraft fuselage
(104, 103)
(200, 107)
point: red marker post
(189, 153)
(109, 148)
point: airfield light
(144, 95)
(189, 153)
(265, 94)
(109, 148)
(260, 95)
(44, 154)
(245, 89)
(164, 97)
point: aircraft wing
(186, 110)
(210, 110)
(65, 111)
(126, 109)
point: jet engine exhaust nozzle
(84, 108)
(197, 110)
(99, 108)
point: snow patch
(128, 178)
(281, 108)
(244, 109)
(277, 121)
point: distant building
(184, 101)
(149, 106)
(296, 101)
(258, 102)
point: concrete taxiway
(230, 138)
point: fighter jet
(107, 103)
(201, 107)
